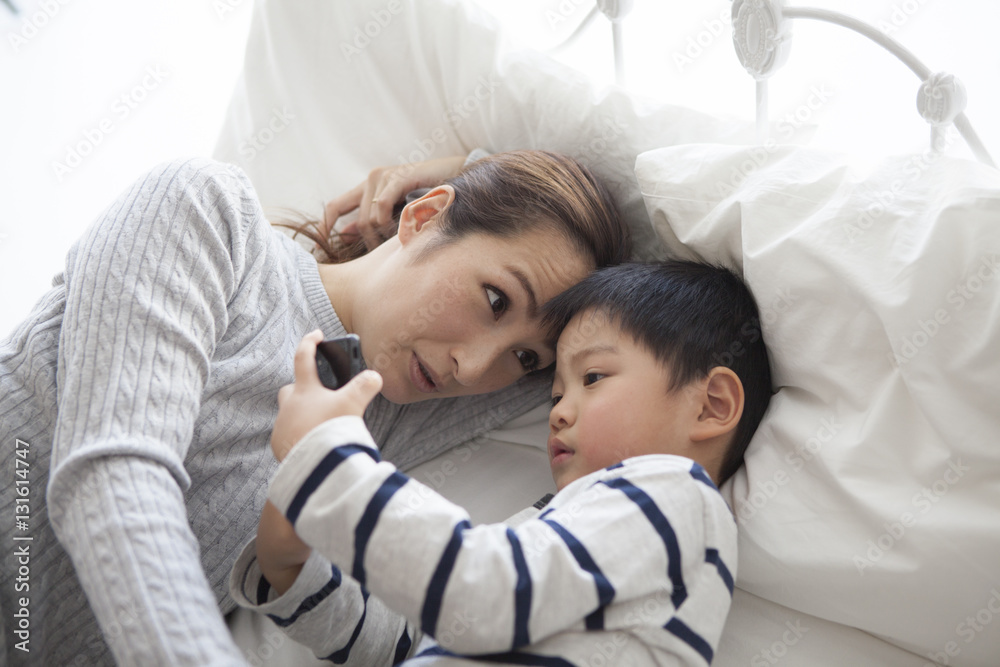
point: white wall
(129, 83)
(136, 83)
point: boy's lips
(558, 451)
(422, 377)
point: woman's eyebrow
(526, 285)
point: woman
(142, 389)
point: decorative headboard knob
(940, 98)
(761, 36)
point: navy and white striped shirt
(631, 565)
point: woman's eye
(498, 301)
(529, 360)
(591, 378)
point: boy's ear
(424, 213)
(721, 404)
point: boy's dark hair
(692, 317)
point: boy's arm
(324, 610)
(311, 599)
(475, 590)
(280, 552)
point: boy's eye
(555, 399)
(528, 359)
(591, 378)
(498, 300)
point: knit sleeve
(147, 291)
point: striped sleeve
(486, 589)
(325, 610)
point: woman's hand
(375, 198)
(306, 404)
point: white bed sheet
(424, 88)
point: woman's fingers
(375, 212)
(377, 196)
(340, 206)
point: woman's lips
(558, 452)
(421, 377)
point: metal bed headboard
(762, 38)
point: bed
(869, 506)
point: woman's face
(463, 317)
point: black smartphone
(338, 360)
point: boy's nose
(560, 416)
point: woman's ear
(721, 404)
(418, 214)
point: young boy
(661, 379)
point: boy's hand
(306, 404)
(280, 552)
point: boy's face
(611, 401)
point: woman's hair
(506, 194)
(692, 317)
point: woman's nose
(479, 364)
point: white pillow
(871, 492)
(331, 90)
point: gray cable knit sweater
(136, 404)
